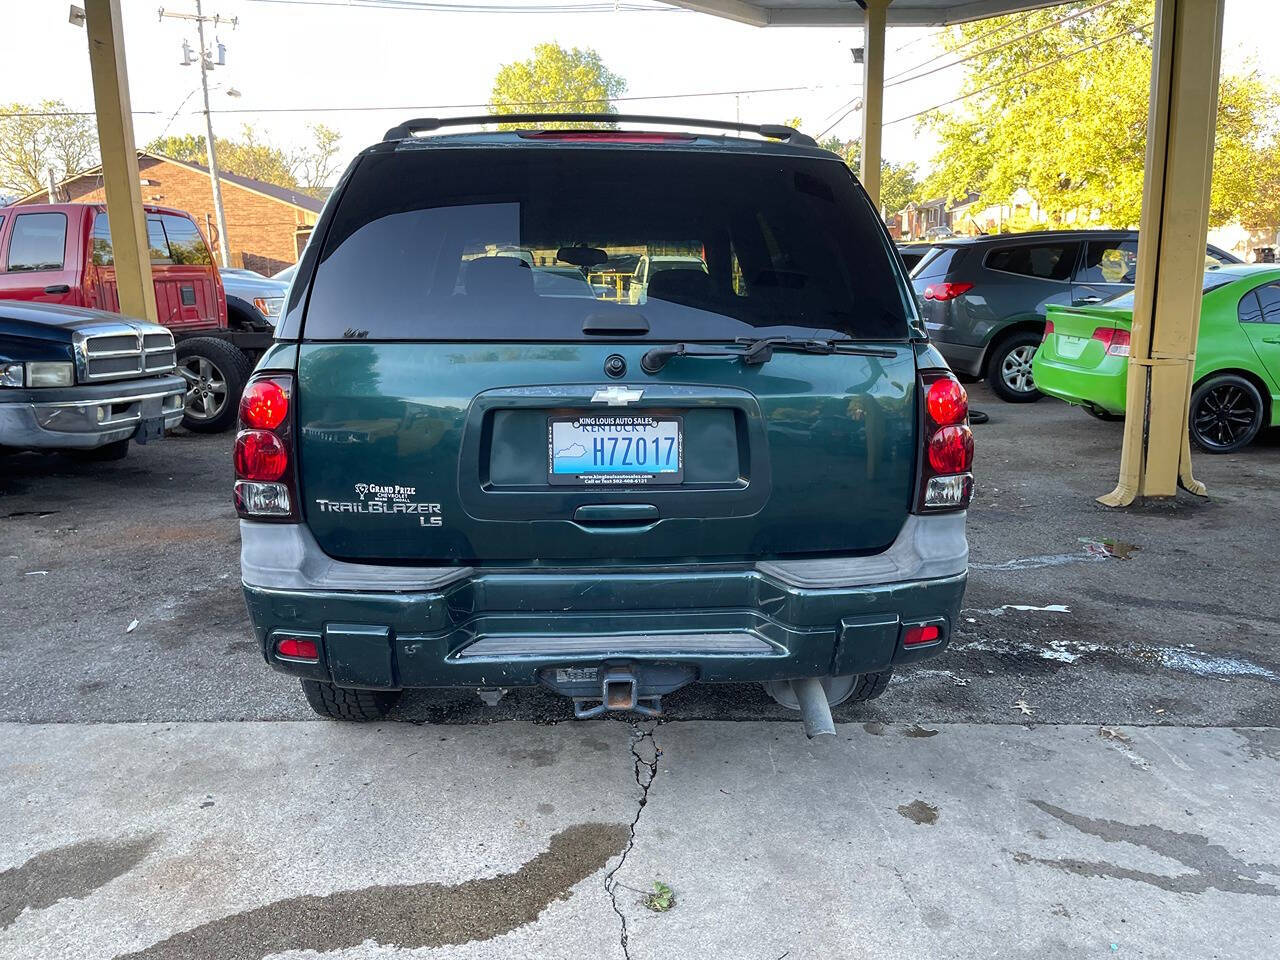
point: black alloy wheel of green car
(1226, 413)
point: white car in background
(649, 266)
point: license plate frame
(637, 478)
(150, 429)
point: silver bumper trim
(285, 556)
(926, 548)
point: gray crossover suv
(983, 298)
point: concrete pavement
(249, 840)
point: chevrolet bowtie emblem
(616, 396)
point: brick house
(268, 225)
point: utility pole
(205, 58)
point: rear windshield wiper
(755, 351)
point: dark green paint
(801, 455)
(811, 632)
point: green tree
(899, 182)
(1050, 112)
(317, 164)
(307, 168)
(556, 80)
(31, 145)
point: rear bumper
(1102, 387)
(459, 627)
(962, 358)
(86, 417)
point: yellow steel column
(119, 159)
(873, 95)
(1156, 456)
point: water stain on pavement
(1261, 743)
(535, 756)
(917, 811)
(409, 916)
(70, 872)
(915, 731)
(1213, 866)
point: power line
(1019, 76)
(459, 106)
(972, 40)
(901, 78)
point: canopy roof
(902, 13)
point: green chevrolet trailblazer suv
(475, 458)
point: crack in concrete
(646, 770)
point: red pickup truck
(61, 253)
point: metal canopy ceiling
(844, 13)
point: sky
(327, 54)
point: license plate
(1070, 347)
(151, 428)
(608, 449)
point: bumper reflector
(920, 634)
(297, 648)
(262, 499)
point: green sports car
(1084, 358)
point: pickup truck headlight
(12, 375)
(50, 373)
(269, 306)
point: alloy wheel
(1015, 369)
(1224, 414)
(206, 387)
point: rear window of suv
(526, 243)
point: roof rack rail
(771, 131)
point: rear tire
(1009, 368)
(855, 688)
(348, 703)
(216, 373)
(1226, 413)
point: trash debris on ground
(1023, 706)
(1108, 548)
(662, 899)
(133, 625)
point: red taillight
(951, 450)
(946, 291)
(607, 136)
(298, 648)
(945, 481)
(260, 455)
(947, 402)
(1115, 341)
(919, 634)
(264, 405)
(266, 479)
(1048, 329)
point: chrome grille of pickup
(118, 350)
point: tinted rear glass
(935, 262)
(1046, 261)
(527, 243)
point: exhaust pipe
(815, 712)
